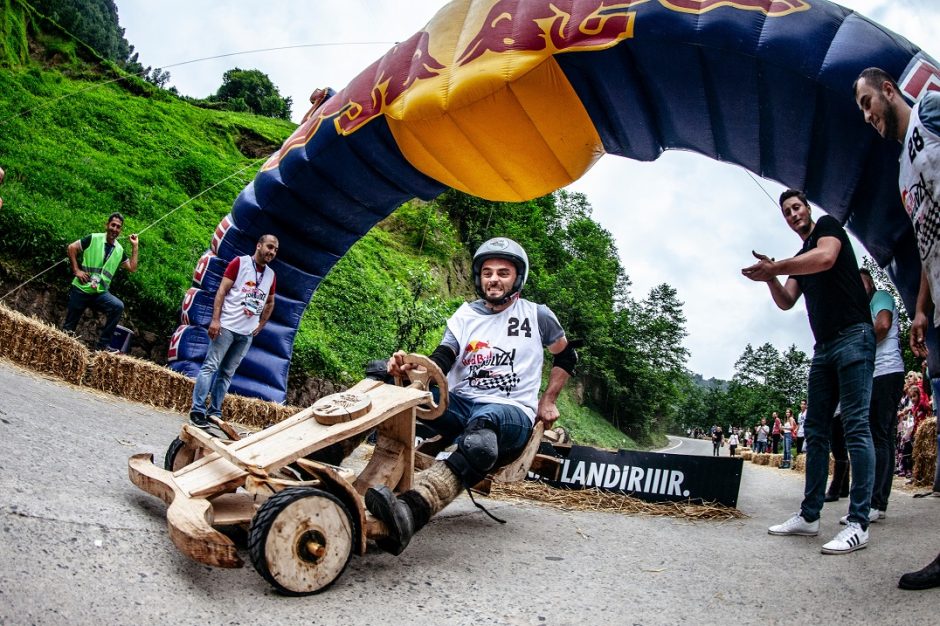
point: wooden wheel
(301, 539)
(427, 372)
(180, 454)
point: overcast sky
(684, 220)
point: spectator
(917, 129)
(825, 270)
(102, 255)
(776, 432)
(799, 427)
(787, 427)
(732, 444)
(243, 304)
(761, 433)
(717, 440)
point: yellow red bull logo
(475, 346)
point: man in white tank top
(918, 130)
(492, 353)
(243, 304)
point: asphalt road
(81, 545)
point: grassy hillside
(77, 143)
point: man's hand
(547, 412)
(919, 335)
(762, 271)
(396, 365)
(214, 327)
(82, 276)
(134, 239)
(257, 330)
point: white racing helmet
(501, 248)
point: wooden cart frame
(304, 518)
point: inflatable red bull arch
(513, 99)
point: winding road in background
(81, 545)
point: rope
(761, 187)
(142, 73)
(145, 229)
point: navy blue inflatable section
(319, 201)
(771, 93)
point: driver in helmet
(492, 354)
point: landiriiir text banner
(651, 476)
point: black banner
(651, 476)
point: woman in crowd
(732, 443)
(787, 427)
(775, 433)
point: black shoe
(396, 516)
(926, 578)
(199, 420)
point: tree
(94, 22)
(252, 91)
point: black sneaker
(926, 578)
(199, 420)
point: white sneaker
(849, 539)
(874, 515)
(796, 525)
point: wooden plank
(233, 508)
(213, 474)
(516, 470)
(189, 520)
(216, 445)
(309, 436)
(386, 465)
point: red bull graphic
(515, 26)
(187, 303)
(370, 92)
(920, 77)
(476, 352)
(219, 233)
(201, 267)
(772, 8)
(173, 353)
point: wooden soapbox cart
(304, 517)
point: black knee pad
(476, 454)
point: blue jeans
(511, 424)
(841, 370)
(787, 442)
(225, 353)
(105, 303)
(761, 447)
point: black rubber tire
(178, 455)
(263, 521)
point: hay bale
(747, 455)
(925, 453)
(254, 412)
(775, 460)
(799, 463)
(762, 459)
(141, 381)
(40, 347)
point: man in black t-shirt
(826, 272)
